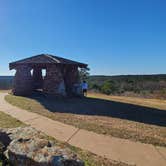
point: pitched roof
(46, 59)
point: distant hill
(137, 85)
(6, 77)
(153, 86)
(6, 82)
(101, 78)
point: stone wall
(37, 78)
(59, 80)
(23, 82)
(54, 81)
(70, 78)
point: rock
(30, 147)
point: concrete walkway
(110, 147)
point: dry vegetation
(90, 159)
(91, 114)
(7, 121)
(144, 86)
(153, 103)
(5, 91)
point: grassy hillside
(129, 85)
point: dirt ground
(129, 118)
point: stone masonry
(54, 82)
(61, 75)
(22, 84)
(37, 78)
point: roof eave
(14, 65)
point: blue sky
(113, 36)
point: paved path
(110, 147)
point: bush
(95, 86)
(162, 93)
(106, 88)
(141, 85)
(109, 87)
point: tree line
(140, 85)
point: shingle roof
(46, 59)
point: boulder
(31, 147)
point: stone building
(61, 75)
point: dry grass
(153, 103)
(7, 121)
(90, 159)
(5, 91)
(69, 111)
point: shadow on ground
(101, 107)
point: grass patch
(57, 109)
(152, 103)
(5, 91)
(90, 159)
(6, 121)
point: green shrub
(109, 87)
(106, 88)
(95, 86)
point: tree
(84, 73)
(109, 87)
(106, 88)
(95, 86)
